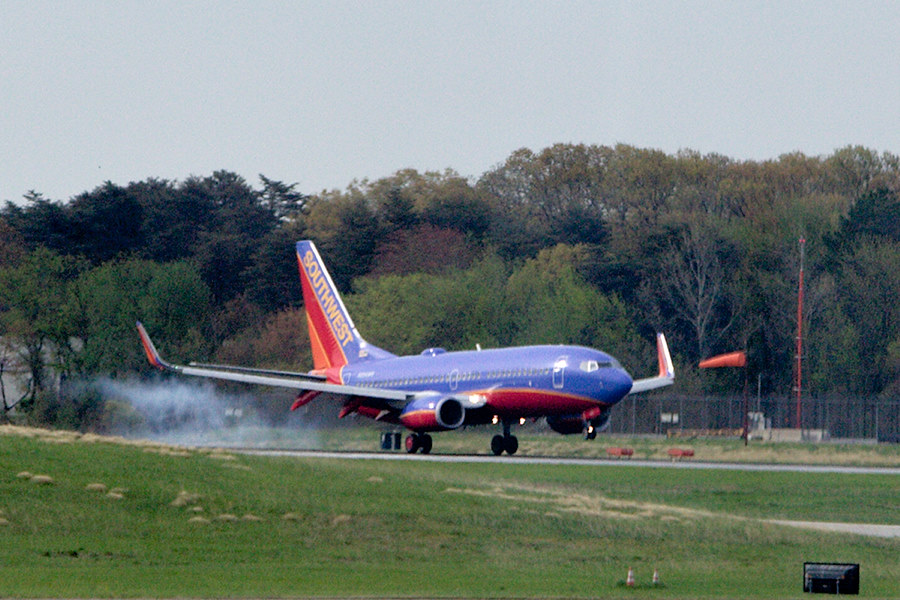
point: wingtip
(153, 356)
(666, 369)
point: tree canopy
(595, 245)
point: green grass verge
(292, 527)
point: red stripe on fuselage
(525, 402)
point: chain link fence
(838, 417)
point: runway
(554, 460)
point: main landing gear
(418, 441)
(504, 443)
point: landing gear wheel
(589, 432)
(511, 444)
(497, 445)
(425, 443)
(412, 443)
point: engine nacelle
(578, 423)
(433, 413)
(566, 424)
(601, 421)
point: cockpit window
(589, 366)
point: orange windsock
(732, 359)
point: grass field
(170, 522)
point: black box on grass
(831, 578)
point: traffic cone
(655, 577)
(629, 580)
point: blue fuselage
(530, 381)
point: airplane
(573, 387)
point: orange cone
(629, 581)
(655, 576)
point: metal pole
(876, 419)
(633, 416)
(800, 336)
(744, 408)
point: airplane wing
(666, 375)
(286, 379)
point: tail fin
(332, 334)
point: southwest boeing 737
(573, 387)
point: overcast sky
(322, 93)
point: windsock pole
(799, 383)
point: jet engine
(587, 423)
(433, 413)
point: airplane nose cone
(620, 383)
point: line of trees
(592, 245)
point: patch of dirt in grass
(151, 447)
(219, 454)
(185, 498)
(340, 519)
(199, 520)
(557, 502)
(181, 453)
(226, 518)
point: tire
(511, 445)
(412, 443)
(425, 442)
(497, 445)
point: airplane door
(559, 369)
(454, 379)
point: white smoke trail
(197, 413)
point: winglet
(666, 374)
(153, 356)
(665, 359)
